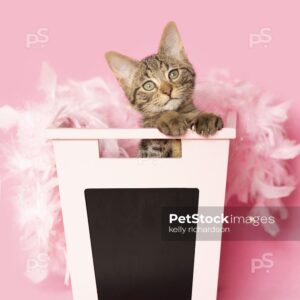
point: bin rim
(228, 132)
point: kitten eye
(173, 74)
(149, 85)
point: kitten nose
(166, 88)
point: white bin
(203, 166)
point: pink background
(215, 34)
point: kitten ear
(170, 43)
(122, 66)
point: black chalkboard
(131, 260)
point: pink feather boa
(257, 174)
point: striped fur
(161, 87)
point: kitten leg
(172, 123)
(155, 148)
(176, 148)
(204, 123)
(208, 124)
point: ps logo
(40, 37)
(37, 268)
(262, 263)
(263, 37)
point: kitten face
(160, 82)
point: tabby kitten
(160, 87)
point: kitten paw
(208, 124)
(172, 123)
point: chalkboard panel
(131, 260)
